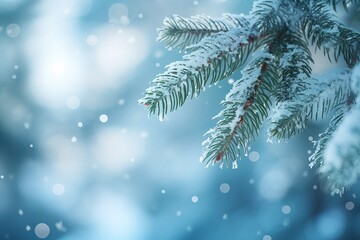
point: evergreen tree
(271, 46)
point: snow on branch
(180, 32)
(245, 107)
(341, 166)
(324, 31)
(215, 58)
(277, 85)
(338, 149)
(295, 59)
(317, 158)
(313, 103)
(344, 3)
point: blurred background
(80, 159)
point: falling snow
(103, 118)
(60, 226)
(58, 189)
(224, 188)
(286, 209)
(20, 212)
(92, 40)
(13, 30)
(254, 156)
(119, 179)
(118, 14)
(194, 199)
(42, 230)
(349, 206)
(267, 237)
(73, 102)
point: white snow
(117, 13)
(355, 85)
(58, 189)
(267, 237)
(224, 188)
(349, 206)
(194, 199)
(103, 118)
(346, 139)
(92, 40)
(73, 102)
(20, 212)
(323, 92)
(60, 226)
(13, 30)
(286, 209)
(234, 164)
(341, 156)
(254, 156)
(42, 230)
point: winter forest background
(80, 159)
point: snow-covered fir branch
(245, 107)
(180, 32)
(322, 95)
(324, 30)
(272, 45)
(345, 3)
(337, 152)
(341, 165)
(294, 62)
(215, 58)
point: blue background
(79, 156)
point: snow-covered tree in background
(271, 47)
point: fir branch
(325, 32)
(320, 27)
(313, 103)
(180, 32)
(294, 59)
(273, 15)
(287, 29)
(265, 13)
(344, 3)
(246, 106)
(337, 151)
(349, 46)
(341, 164)
(215, 58)
(317, 157)
(327, 94)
